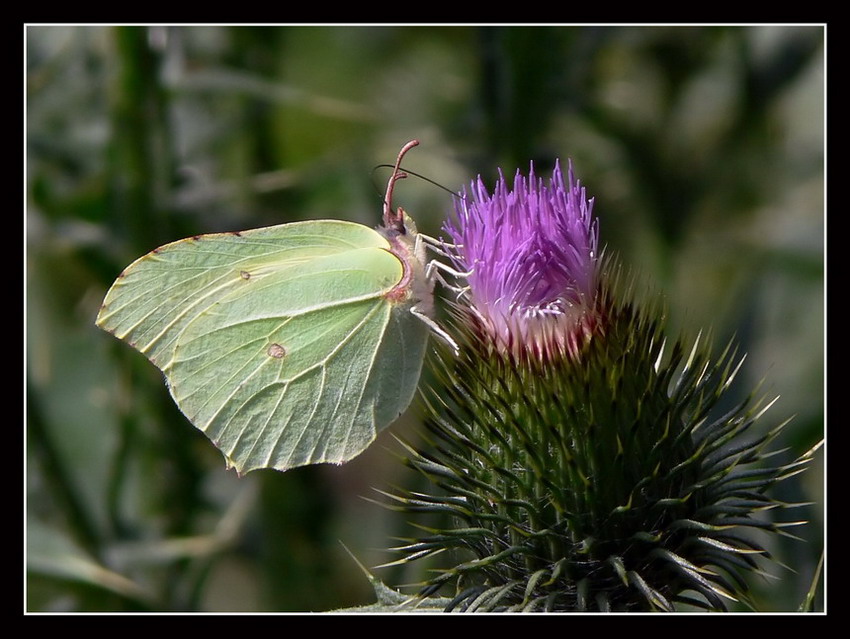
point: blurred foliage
(702, 145)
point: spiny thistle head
(580, 459)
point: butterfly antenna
(391, 219)
(421, 177)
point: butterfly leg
(433, 267)
(435, 328)
(433, 272)
(439, 246)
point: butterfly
(288, 345)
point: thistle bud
(578, 452)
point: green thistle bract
(579, 458)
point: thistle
(579, 462)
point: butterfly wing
(279, 343)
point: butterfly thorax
(414, 287)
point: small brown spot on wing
(276, 350)
(245, 275)
(236, 233)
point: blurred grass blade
(51, 553)
(808, 604)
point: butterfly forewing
(159, 294)
(279, 343)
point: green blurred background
(704, 148)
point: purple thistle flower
(532, 257)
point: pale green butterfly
(288, 345)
